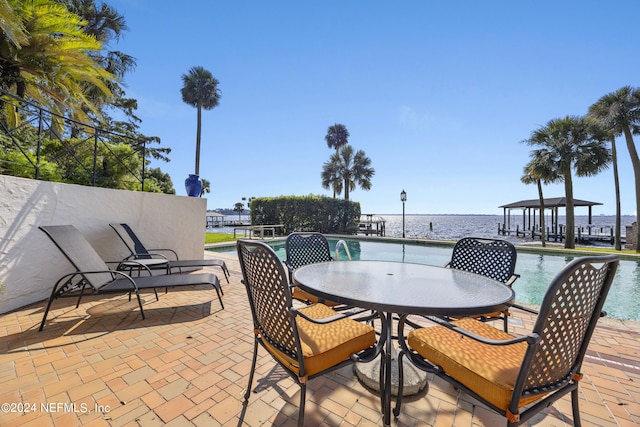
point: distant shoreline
(500, 215)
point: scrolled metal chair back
(489, 257)
(269, 296)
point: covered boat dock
(371, 224)
(531, 213)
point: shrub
(307, 213)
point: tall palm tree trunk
(616, 180)
(543, 233)
(635, 161)
(335, 190)
(570, 239)
(347, 181)
(199, 127)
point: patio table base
(415, 380)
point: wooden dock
(218, 220)
(372, 225)
(259, 230)
(584, 234)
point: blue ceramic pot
(193, 185)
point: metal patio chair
(306, 342)
(493, 258)
(303, 249)
(518, 376)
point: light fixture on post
(403, 198)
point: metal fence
(26, 129)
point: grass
(218, 238)
(610, 250)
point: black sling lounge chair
(93, 273)
(140, 253)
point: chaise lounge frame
(92, 272)
(140, 253)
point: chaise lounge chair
(140, 253)
(92, 272)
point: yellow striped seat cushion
(324, 346)
(488, 370)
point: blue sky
(438, 94)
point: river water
(454, 227)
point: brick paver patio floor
(187, 364)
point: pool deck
(187, 364)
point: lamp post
(403, 198)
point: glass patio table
(402, 288)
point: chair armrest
(512, 279)
(290, 271)
(175, 254)
(113, 273)
(529, 339)
(523, 308)
(146, 255)
(322, 321)
(290, 268)
(129, 262)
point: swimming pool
(536, 270)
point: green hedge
(307, 213)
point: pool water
(536, 270)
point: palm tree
(105, 24)
(620, 112)
(337, 136)
(572, 143)
(11, 26)
(539, 171)
(330, 175)
(54, 66)
(206, 187)
(200, 90)
(352, 168)
(239, 207)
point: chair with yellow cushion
(306, 342)
(518, 376)
(493, 258)
(303, 249)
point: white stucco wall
(30, 263)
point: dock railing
(258, 230)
